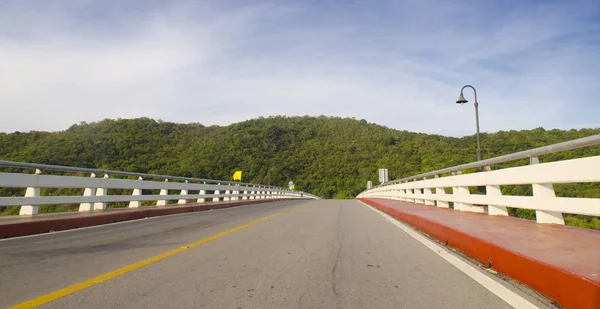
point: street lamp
(461, 100)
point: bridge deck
(289, 254)
(561, 261)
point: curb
(566, 288)
(60, 224)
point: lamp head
(461, 99)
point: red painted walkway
(561, 262)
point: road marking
(123, 270)
(510, 297)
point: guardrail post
(201, 199)
(235, 194)
(428, 192)
(441, 192)
(464, 191)
(136, 192)
(402, 193)
(88, 192)
(163, 192)
(28, 210)
(458, 192)
(217, 192)
(545, 190)
(227, 198)
(183, 192)
(418, 195)
(392, 193)
(101, 192)
(494, 210)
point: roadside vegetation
(328, 156)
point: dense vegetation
(330, 157)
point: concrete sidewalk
(561, 262)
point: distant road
(305, 254)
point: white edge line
(127, 221)
(498, 289)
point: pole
(477, 124)
(480, 189)
(476, 104)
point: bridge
(425, 241)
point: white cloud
(221, 64)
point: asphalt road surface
(305, 254)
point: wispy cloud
(400, 64)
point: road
(305, 254)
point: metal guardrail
(541, 176)
(96, 190)
(113, 172)
(568, 145)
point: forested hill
(330, 157)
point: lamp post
(461, 100)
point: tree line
(327, 156)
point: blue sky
(396, 63)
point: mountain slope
(330, 157)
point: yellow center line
(38, 301)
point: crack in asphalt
(336, 265)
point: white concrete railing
(95, 190)
(429, 188)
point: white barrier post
(163, 192)
(87, 206)
(28, 210)
(418, 195)
(216, 198)
(545, 190)
(227, 198)
(201, 199)
(136, 192)
(183, 192)
(442, 195)
(495, 210)
(101, 192)
(428, 201)
(464, 191)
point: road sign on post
(291, 185)
(383, 175)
